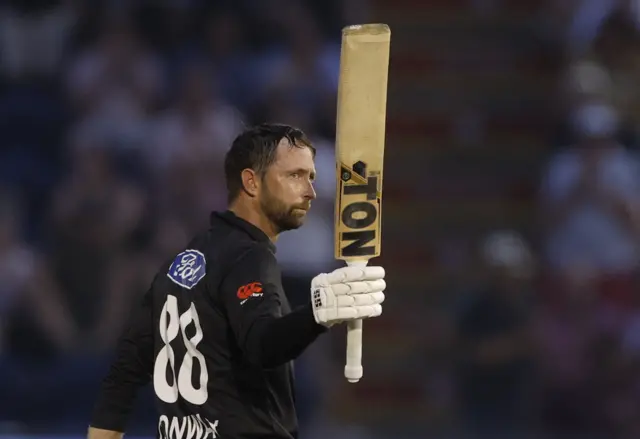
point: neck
(255, 217)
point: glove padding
(348, 293)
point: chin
(292, 223)
(296, 223)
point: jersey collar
(249, 228)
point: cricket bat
(360, 141)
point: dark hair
(255, 148)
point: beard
(283, 216)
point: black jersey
(216, 338)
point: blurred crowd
(590, 218)
(550, 341)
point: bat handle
(353, 367)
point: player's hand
(348, 293)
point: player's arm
(269, 339)
(131, 369)
(252, 303)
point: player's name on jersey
(187, 427)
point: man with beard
(215, 332)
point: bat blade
(360, 142)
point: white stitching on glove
(348, 293)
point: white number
(166, 358)
(194, 396)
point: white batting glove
(348, 293)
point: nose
(311, 192)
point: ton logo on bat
(359, 215)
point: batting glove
(348, 293)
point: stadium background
(504, 314)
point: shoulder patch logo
(254, 289)
(188, 268)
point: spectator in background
(190, 139)
(606, 62)
(306, 69)
(495, 340)
(33, 36)
(35, 324)
(129, 277)
(589, 195)
(582, 24)
(616, 49)
(623, 399)
(225, 47)
(199, 128)
(96, 215)
(114, 84)
(30, 301)
(61, 336)
(189, 193)
(576, 334)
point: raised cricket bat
(360, 140)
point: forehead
(288, 157)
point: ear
(250, 182)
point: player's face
(287, 188)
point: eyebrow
(312, 173)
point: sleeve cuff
(108, 420)
(307, 312)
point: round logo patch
(188, 268)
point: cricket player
(215, 334)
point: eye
(295, 174)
